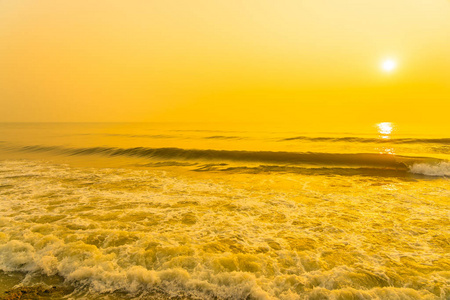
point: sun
(389, 65)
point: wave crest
(282, 157)
(441, 169)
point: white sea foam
(440, 169)
(252, 237)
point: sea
(220, 211)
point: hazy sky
(292, 61)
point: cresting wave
(295, 158)
(339, 163)
(284, 161)
(441, 169)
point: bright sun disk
(389, 65)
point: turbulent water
(124, 211)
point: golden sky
(310, 61)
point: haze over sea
(152, 210)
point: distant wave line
(164, 136)
(346, 139)
(445, 141)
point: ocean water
(195, 211)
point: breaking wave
(295, 158)
(441, 169)
(239, 161)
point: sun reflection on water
(385, 130)
(385, 150)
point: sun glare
(385, 128)
(389, 65)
